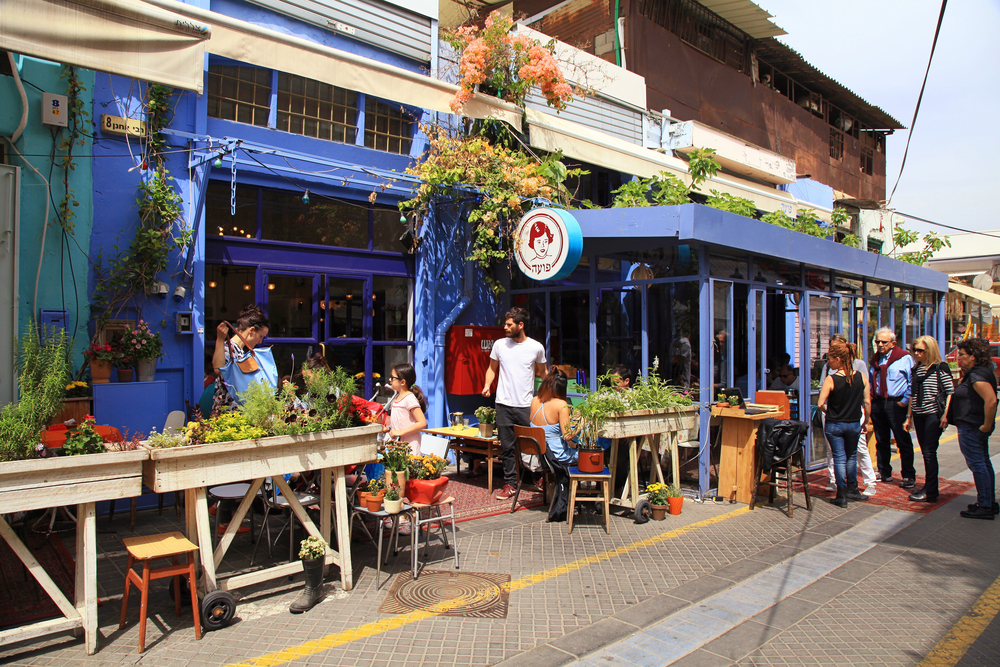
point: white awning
(990, 298)
(551, 133)
(249, 43)
(121, 37)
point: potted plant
(146, 348)
(101, 357)
(722, 401)
(82, 438)
(591, 457)
(675, 499)
(123, 358)
(734, 401)
(426, 485)
(656, 493)
(396, 459)
(375, 494)
(393, 501)
(487, 417)
(312, 551)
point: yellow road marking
(963, 634)
(384, 625)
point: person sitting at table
(550, 411)
(786, 379)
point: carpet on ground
(22, 600)
(892, 495)
(472, 501)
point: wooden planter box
(196, 466)
(70, 480)
(74, 408)
(647, 422)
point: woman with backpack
(931, 389)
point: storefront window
(902, 294)
(728, 266)
(846, 285)
(290, 305)
(569, 331)
(386, 230)
(350, 357)
(345, 304)
(384, 357)
(619, 329)
(319, 222)
(219, 217)
(391, 308)
(777, 272)
(818, 279)
(673, 331)
(227, 290)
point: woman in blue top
(550, 411)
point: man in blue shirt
(891, 368)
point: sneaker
(506, 493)
(996, 507)
(908, 483)
(831, 487)
(870, 490)
(978, 513)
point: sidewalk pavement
(718, 585)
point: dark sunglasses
(393, 377)
(920, 349)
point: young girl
(406, 414)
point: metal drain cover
(469, 594)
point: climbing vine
(125, 274)
(76, 116)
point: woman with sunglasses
(931, 389)
(973, 411)
(406, 413)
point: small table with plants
(468, 440)
(268, 436)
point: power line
(913, 123)
(941, 224)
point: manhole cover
(470, 594)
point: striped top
(928, 382)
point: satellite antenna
(983, 281)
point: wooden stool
(153, 547)
(604, 479)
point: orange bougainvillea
(499, 63)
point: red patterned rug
(22, 600)
(472, 501)
(892, 495)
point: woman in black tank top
(844, 397)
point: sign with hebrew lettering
(548, 243)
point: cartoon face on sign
(547, 243)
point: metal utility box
(50, 319)
(467, 356)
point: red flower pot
(425, 491)
(675, 504)
(591, 461)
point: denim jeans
(928, 430)
(975, 448)
(843, 439)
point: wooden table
(739, 451)
(467, 440)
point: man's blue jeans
(975, 448)
(843, 438)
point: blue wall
(56, 287)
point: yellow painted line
(367, 630)
(963, 634)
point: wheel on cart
(217, 610)
(643, 510)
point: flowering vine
(506, 65)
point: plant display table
(631, 428)
(467, 440)
(194, 468)
(72, 480)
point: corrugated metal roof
(746, 16)
(791, 63)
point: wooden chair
(530, 440)
(773, 397)
(148, 548)
(602, 495)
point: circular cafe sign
(548, 243)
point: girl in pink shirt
(406, 414)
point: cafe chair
(780, 453)
(231, 494)
(530, 440)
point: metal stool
(418, 510)
(228, 493)
(604, 480)
(154, 547)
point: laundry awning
(249, 43)
(121, 37)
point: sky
(879, 49)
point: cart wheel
(185, 591)
(643, 511)
(217, 610)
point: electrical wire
(45, 221)
(913, 123)
(941, 224)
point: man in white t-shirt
(518, 359)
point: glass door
(346, 315)
(823, 321)
(722, 340)
(757, 355)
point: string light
(217, 163)
(305, 197)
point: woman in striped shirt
(930, 395)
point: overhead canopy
(989, 298)
(121, 37)
(249, 43)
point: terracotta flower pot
(393, 506)
(125, 374)
(425, 491)
(486, 430)
(397, 477)
(591, 461)
(100, 371)
(675, 504)
(659, 512)
(374, 503)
